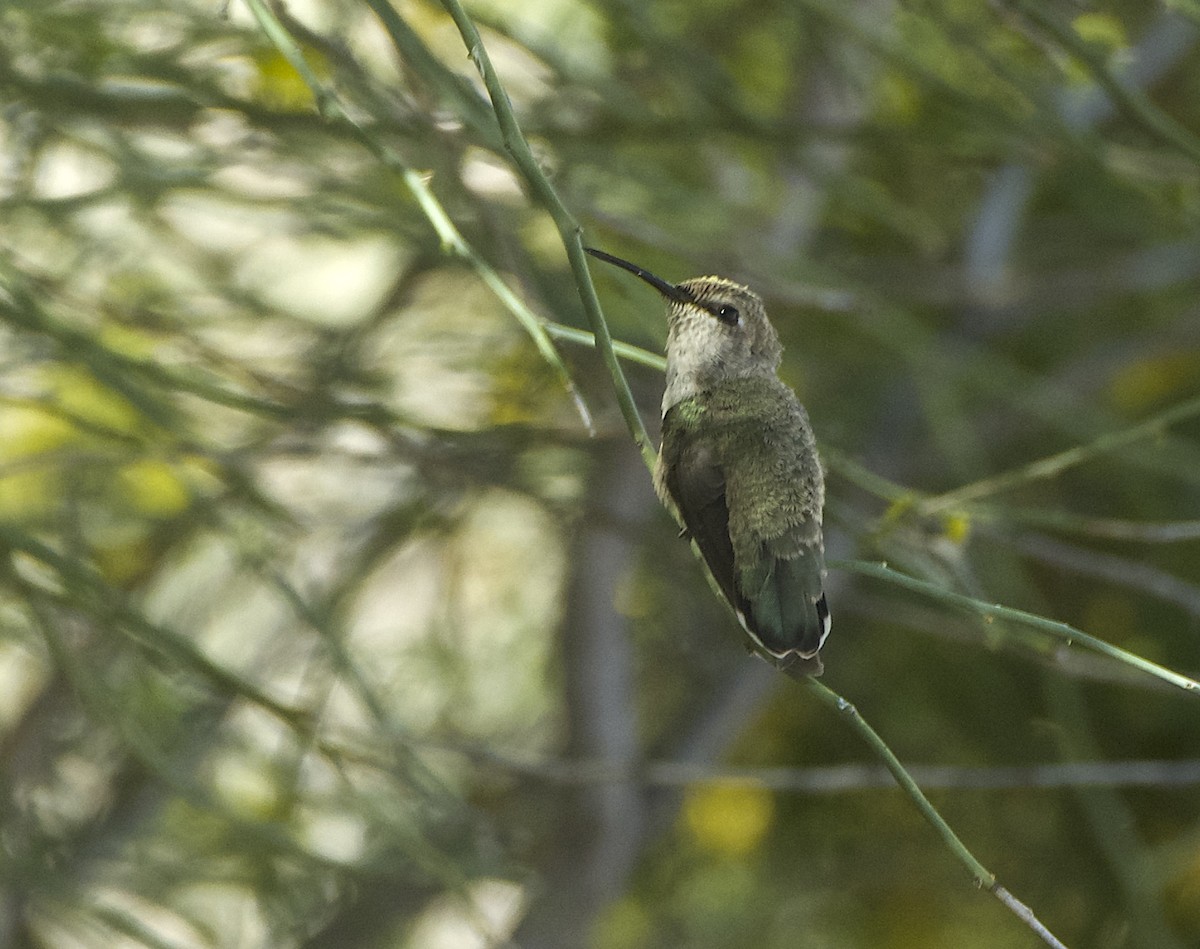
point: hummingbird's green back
(739, 463)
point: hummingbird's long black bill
(668, 290)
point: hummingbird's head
(716, 330)
(727, 323)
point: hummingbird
(738, 464)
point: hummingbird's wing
(774, 583)
(695, 485)
(768, 559)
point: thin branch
(1054, 465)
(983, 877)
(991, 612)
(568, 228)
(625, 351)
(816, 779)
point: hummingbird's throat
(696, 360)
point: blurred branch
(1121, 571)
(600, 829)
(987, 370)
(106, 706)
(452, 240)
(1145, 532)
(91, 592)
(417, 55)
(832, 779)
(124, 373)
(160, 104)
(991, 612)
(1127, 96)
(1054, 465)
(838, 461)
(988, 265)
(1112, 822)
(879, 36)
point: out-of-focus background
(324, 622)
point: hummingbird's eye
(727, 314)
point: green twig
(983, 877)
(568, 228)
(991, 612)
(452, 240)
(625, 351)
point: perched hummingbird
(738, 462)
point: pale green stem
(624, 350)
(982, 876)
(994, 611)
(568, 228)
(1055, 465)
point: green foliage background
(325, 622)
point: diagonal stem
(994, 611)
(1054, 465)
(983, 877)
(568, 228)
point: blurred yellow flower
(956, 528)
(730, 819)
(153, 487)
(29, 430)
